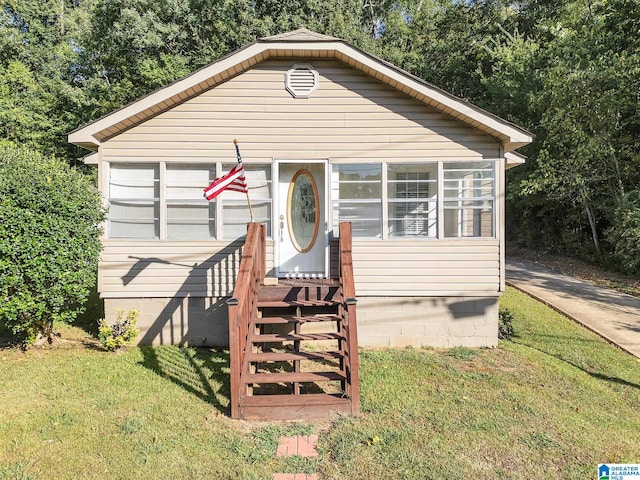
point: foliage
(624, 233)
(122, 332)
(50, 217)
(565, 70)
(586, 157)
(505, 323)
(41, 95)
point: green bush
(50, 216)
(505, 324)
(121, 333)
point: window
(166, 201)
(134, 201)
(235, 209)
(189, 214)
(411, 200)
(445, 199)
(436, 199)
(357, 198)
(468, 199)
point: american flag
(234, 180)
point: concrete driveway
(613, 315)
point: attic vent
(301, 80)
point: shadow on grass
(202, 372)
(559, 356)
(7, 338)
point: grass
(553, 403)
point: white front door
(301, 236)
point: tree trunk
(592, 223)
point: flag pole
(235, 142)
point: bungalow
(328, 134)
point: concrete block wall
(196, 321)
(382, 321)
(428, 321)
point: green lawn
(553, 403)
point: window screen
(235, 209)
(189, 214)
(469, 199)
(134, 201)
(357, 198)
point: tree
(39, 101)
(137, 46)
(50, 216)
(588, 158)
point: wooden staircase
(293, 346)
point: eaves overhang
(514, 159)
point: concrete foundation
(428, 321)
(382, 321)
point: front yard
(553, 403)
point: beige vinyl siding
(150, 269)
(453, 267)
(350, 118)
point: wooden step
(296, 303)
(293, 356)
(294, 319)
(327, 289)
(288, 337)
(290, 400)
(286, 407)
(291, 377)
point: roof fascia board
(91, 159)
(514, 159)
(86, 134)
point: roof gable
(300, 35)
(301, 43)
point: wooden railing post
(263, 253)
(234, 355)
(242, 308)
(349, 299)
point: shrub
(121, 333)
(50, 216)
(505, 324)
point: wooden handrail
(243, 312)
(348, 313)
(243, 308)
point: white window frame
(221, 203)
(440, 202)
(218, 219)
(333, 202)
(158, 199)
(467, 210)
(431, 213)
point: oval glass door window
(302, 211)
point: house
(328, 134)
